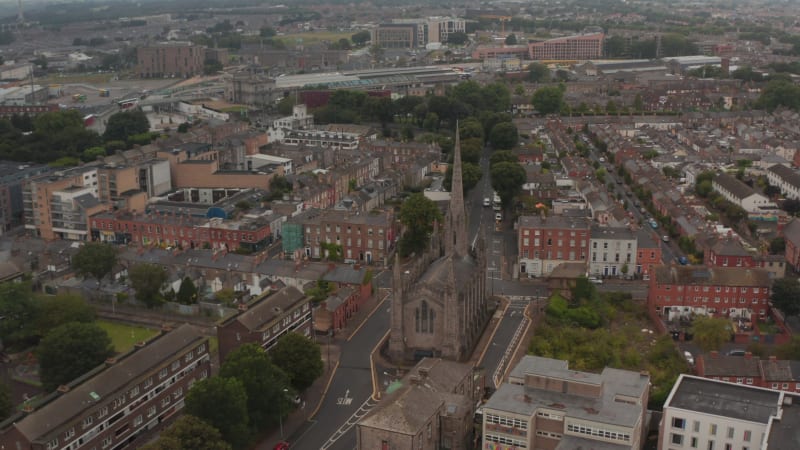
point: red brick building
(170, 60)
(772, 373)
(648, 254)
(545, 242)
(264, 320)
(680, 291)
(791, 233)
(180, 231)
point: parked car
(689, 357)
(595, 280)
(282, 445)
(498, 217)
(487, 201)
(665, 238)
(683, 261)
(736, 352)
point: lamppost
(280, 411)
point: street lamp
(280, 411)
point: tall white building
(710, 414)
(612, 252)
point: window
(106, 442)
(696, 426)
(151, 411)
(165, 401)
(102, 412)
(747, 435)
(133, 392)
(693, 442)
(175, 365)
(138, 420)
(148, 382)
(162, 373)
(87, 422)
(69, 433)
(677, 422)
(52, 444)
(712, 429)
(189, 356)
(730, 432)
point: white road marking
(351, 422)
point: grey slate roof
(730, 400)
(271, 307)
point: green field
(313, 37)
(123, 336)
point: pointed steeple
(457, 224)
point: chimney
(748, 355)
(715, 354)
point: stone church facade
(439, 302)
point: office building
(579, 47)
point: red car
(282, 445)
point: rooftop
(734, 186)
(554, 222)
(712, 276)
(270, 308)
(729, 400)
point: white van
(487, 201)
(498, 217)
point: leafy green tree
(189, 432)
(789, 350)
(95, 259)
(470, 176)
(786, 296)
(779, 93)
(71, 350)
(499, 156)
(53, 311)
(266, 385)
(470, 128)
(123, 124)
(300, 358)
(93, 153)
(267, 32)
(187, 293)
(431, 122)
(615, 46)
(638, 103)
(147, 280)
(222, 403)
(417, 214)
(6, 402)
(777, 245)
(507, 180)
(361, 38)
(19, 312)
(746, 73)
(471, 150)
(710, 332)
(504, 136)
(548, 99)
(511, 39)
(278, 186)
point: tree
(511, 39)
(123, 124)
(147, 280)
(504, 135)
(6, 403)
(95, 259)
(266, 385)
(548, 99)
(361, 38)
(222, 403)
(279, 186)
(53, 311)
(777, 245)
(786, 296)
(189, 432)
(457, 38)
(538, 73)
(267, 32)
(417, 214)
(507, 180)
(499, 156)
(779, 93)
(470, 176)
(470, 128)
(17, 329)
(300, 358)
(187, 293)
(710, 332)
(638, 103)
(71, 350)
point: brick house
(737, 292)
(648, 254)
(545, 242)
(264, 320)
(791, 233)
(771, 373)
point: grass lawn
(124, 336)
(313, 37)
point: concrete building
(785, 178)
(702, 413)
(736, 292)
(411, 33)
(578, 47)
(432, 408)
(547, 241)
(545, 405)
(264, 320)
(791, 234)
(24, 95)
(114, 405)
(771, 373)
(396, 35)
(12, 178)
(612, 252)
(740, 194)
(170, 59)
(15, 72)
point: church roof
(438, 274)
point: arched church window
(433, 316)
(424, 317)
(416, 319)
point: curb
(376, 395)
(491, 337)
(324, 392)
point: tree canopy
(471, 174)
(417, 214)
(187, 432)
(71, 350)
(710, 332)
(507, 180)
(52, 311)
(125, 124)
(779, 93)
(504, 136)
(548, 99)
(187, 293)
(95, 259)
(300, 358)
(147, 281)
(6, 403)
(538, 73)
(222, 403)
(786, 296)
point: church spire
(457, 230)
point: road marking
(351, 422)
(346, 400)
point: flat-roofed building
(113, 406)
(170, 59)
(545, 405)
(578, 47)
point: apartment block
(264, 320)
(709, 414)
(740, 194)
(612, 252)
(579, 47)
(736, 292)
(366, 238)
(170, 59)
(12, 178)
(251, 89)
(785, 178)
(545, 405)
(396, 35)
(115, 405)
(545, 242)
(770, 373)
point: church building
(439, 302)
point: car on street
(595, 280)
(736, 352)
(683, 260)
(498, 217)
(487, 201)
(282, 445)
(665, 238)
(689, 357)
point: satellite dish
(216, 211)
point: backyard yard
(124, 336)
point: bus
(128, 103)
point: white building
(785, 178)
(299, 119)
(740, 194)
(257, 161)
(708, 414)
(612, 252)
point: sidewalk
(293, 425)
